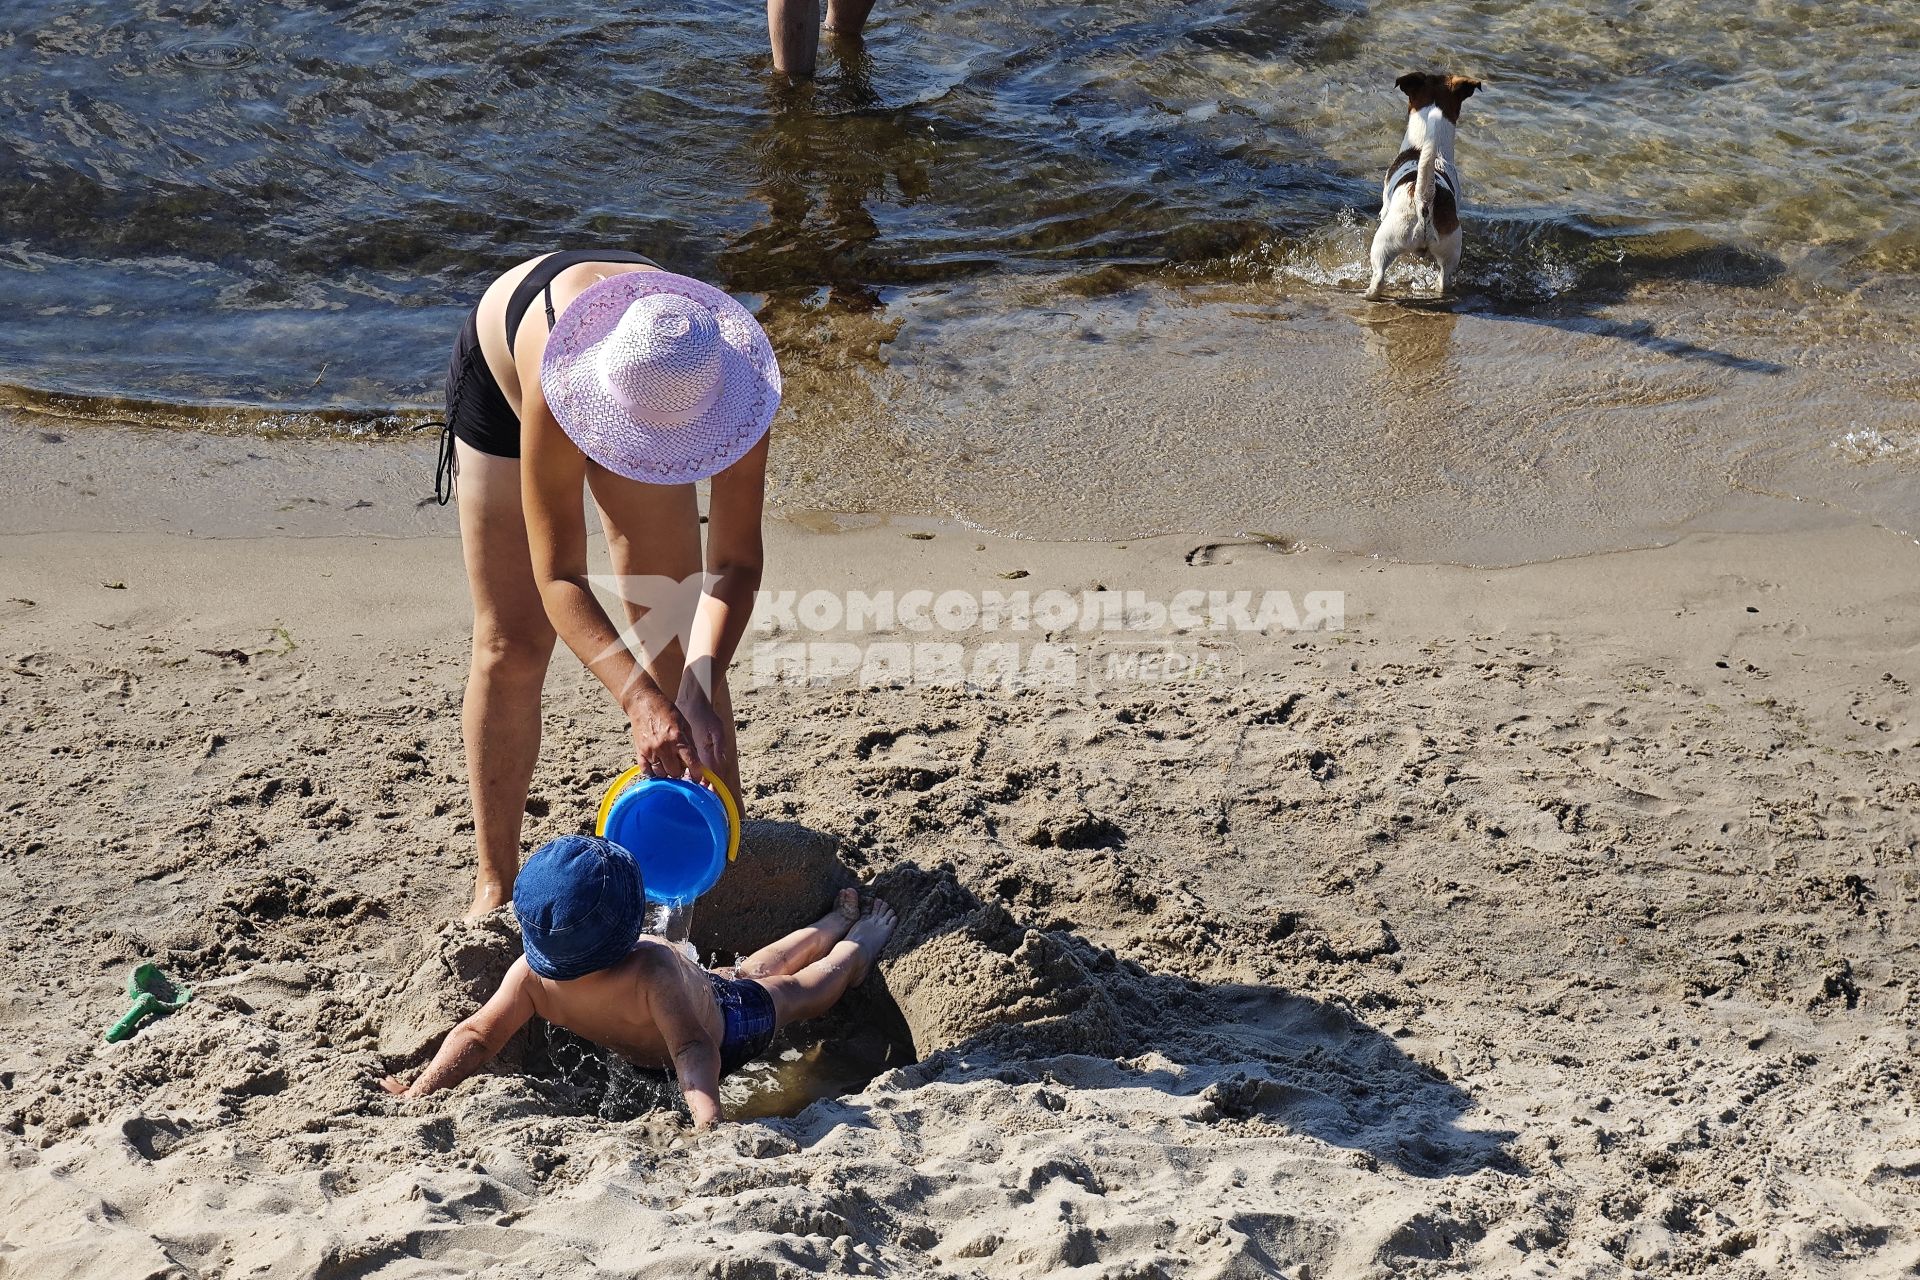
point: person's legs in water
(848, 17)
(803, 946)
(793, 29)
(512, 643)
(816, 987)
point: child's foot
(833, 926)
(869, 934)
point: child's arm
(473, 1043)
(696, 1058)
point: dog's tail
(1423, 180)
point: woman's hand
(662, 742)
(710, 737)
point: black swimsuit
(477, 410)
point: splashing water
(673, 921)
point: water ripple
(367, 163)
(213, 55)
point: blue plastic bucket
(677, 831)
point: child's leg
(818, 987)
(803, 946)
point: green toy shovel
(152, 995)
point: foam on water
(1869, 444)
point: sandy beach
(1371, 789)
(1545, 921)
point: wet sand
(1105, 408)
(1470, 431)
(1553, 920)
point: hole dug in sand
(827, 1058)
(965, 992)
(786, 877)
(820, 1059)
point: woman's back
(514, 304)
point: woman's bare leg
(512, 643)
(818, 987)
(803, 946)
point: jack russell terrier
(1420, 200)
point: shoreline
(1417, 434)
(89, 477)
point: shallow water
(270, 215)
(809, 1064)
(828, 1058)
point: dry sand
(1550, 921)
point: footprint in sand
(1211, 553)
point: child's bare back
(615, 1007)
(586, 969)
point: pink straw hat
(660, 378)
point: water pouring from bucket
(682, 836)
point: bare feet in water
(870, 933)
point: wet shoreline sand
(1548, 919)
(1467, 432)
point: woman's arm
(736, 555)
(733, 565)
(552, 482)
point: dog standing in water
(1420, 200)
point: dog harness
(1406, 168)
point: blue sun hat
(580, 905)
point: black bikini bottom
(477, 410)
